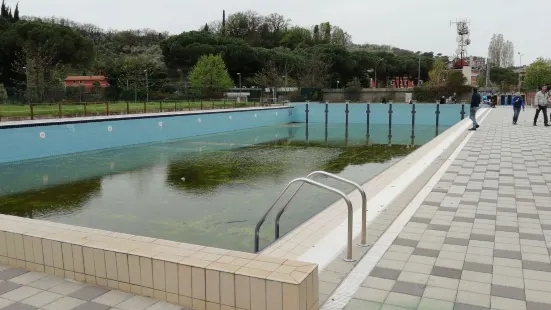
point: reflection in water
(207, 190)
(60, 199)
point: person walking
(541, 100)
(475, 103)
(518, 103)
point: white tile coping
(323, 237)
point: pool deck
(480, 238)
(21, 289)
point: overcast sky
(408, 24)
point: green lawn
(12, 111)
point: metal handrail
(363, 242)
(309, 181)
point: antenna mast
(463, 39)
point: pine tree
(206, 28)
(3, 10)
(16, 13)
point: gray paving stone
(19, 306)
(506, 228)
(456, 241)
(485, 217)
(385, 273)
(460, 306)
(507, 254)
(532, 237)
(446, 272)
(539, 266)
(438, 227)
(463, 219)
(481, 237)
(478, 267)
(508, 292)
(406, 242)
(530, 305)
(89, 292)
(12, 273)
(92, 306)
(414, 289)
(420, 220)
(7, 286)
(426, 252)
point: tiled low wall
(190, 275)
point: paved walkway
(24, 290)
(482, 238)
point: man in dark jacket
(518, 103)
(475, 103)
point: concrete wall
(369, 94)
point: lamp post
(338, 84)
(520, 60)
(376, 66)
(419, 70)
(146, 86)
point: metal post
(160, 106)
(201, 104)
(462, 111)
(127, 107)
(212, 104)
(326, 121)
(307, 112)
(85, 108)
(346, 125)
(32, 110)
(107, 107)
(437, 117)
(59, 109)
(145, 106)
(413, 124)
(189, 105)
(175, 106)
(367, 113)
(389, 123)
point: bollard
(437, 117)
(413, 124)
(307, 112)
(326, 121)
(390, 124)
(367, 113)
(462, 111)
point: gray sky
(408, 24)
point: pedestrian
(541, 100)
(383, 101)
(454, 98)
(443, 100)
(475, 103)
(518, 103)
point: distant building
(521, 73)
(86, 81)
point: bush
(432, 94)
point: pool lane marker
(344, 292)
(327, 249)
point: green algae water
(209, 190)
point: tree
(501, 53)
(538, 74)
(353, 90)
(340, 37)
(438, 73)
(313, 73)
(210, 76)
(3, 94)
(455, 78)
(206, 28)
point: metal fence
(14, 112)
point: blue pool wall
(25, 141)
(450, 114)
(32, 142)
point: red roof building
(86, 81)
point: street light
(338, 84)
(146, 86)
(520, 61)
(239, 74)
(419, 71)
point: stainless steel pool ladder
(328, 188)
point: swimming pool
(208, 187)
